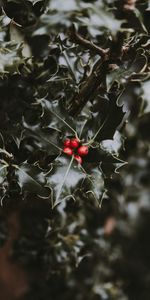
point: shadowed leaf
(64, 178)
(31, 179)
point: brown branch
(78, 39)
(90, 88)
(108, 61)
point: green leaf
(132, 69)
(111, 164)
(64, 178)
(31, 179)
(57, 117)
(3, 171)
(113, 118)
(139, 16)
(10, 57)
(94, 182)
(105, 158)
(44, 138)
(146, 97)
(106, 116)
(17, 134)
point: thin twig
(78, 39)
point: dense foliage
(75, 69)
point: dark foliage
(74, 69)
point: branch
(90, 88)
(78, 39)
(108, 61)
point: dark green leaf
(94, 182)
(31, 179)
(106, 158)
(64, 178)
(56, 117)
(44, 138)
(106, 116)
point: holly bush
(74, 144)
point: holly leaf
(56, 117)
(17, 134)
(53, 127)
(64, 178)
(114, 145)
(10, 57)
(106, 116)
(145, 96)
(3, 171)
(110, 165)
(114, 117)
(31, 179)
(140, 18)
(108, 162)
(44, 138)
(94, 182)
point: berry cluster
(72, 147)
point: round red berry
(67, 143)
(83, 150)
(78, 158)
(68, 151)
(74, 143)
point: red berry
(83, 150)
(68, 151)
(78, 158)
(67, 143)
(74, 143)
